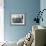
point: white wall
(1, 20)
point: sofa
(39, 37)
(39, 34)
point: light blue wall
(43, 6)
(29, 8)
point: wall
(1, 20)
(43, 6)
(29, 8)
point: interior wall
(1, 20)
(43, 6)
(28, 8)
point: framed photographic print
(17, 19)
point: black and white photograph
(17, 19)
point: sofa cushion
(20, 42)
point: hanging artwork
(17, 19)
